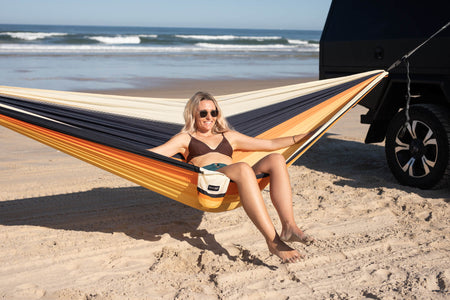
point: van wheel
(418, 153)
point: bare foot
(296, 235)
(283, 251)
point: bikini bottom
(214, 167)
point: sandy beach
(69, 230)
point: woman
(207, 141)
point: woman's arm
(177, 144)
(247, 143)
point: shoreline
(185, 88)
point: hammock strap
(408, 91)
(408, 99)
(405, 59)
(407, 55)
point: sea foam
(130, 39)
(227, 37)
(32, 36)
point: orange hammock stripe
(179, 183)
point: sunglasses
(204, 113)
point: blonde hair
(221, 125)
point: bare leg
(254, 206)
(281, 195)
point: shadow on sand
(142, 214)
(359, 165)
(135, 211)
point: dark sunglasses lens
(204, 113)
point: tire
(419, 154)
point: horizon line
(155, 26)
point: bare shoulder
(233, 134)
(182, 135)
(181, 138)
(240, 141)
(177, 144)
(234, 137)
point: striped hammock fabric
(114, 132)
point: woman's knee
(270, 163)
(240, 171)
(244, 168)
(276, 159)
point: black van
(367, 35)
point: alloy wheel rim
(416, 149)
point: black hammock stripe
(135, 135)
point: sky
(255, 14)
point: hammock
(114, 132)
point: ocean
(97, 58)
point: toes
(308, 240)
(294, 259)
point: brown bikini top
(198, 148)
